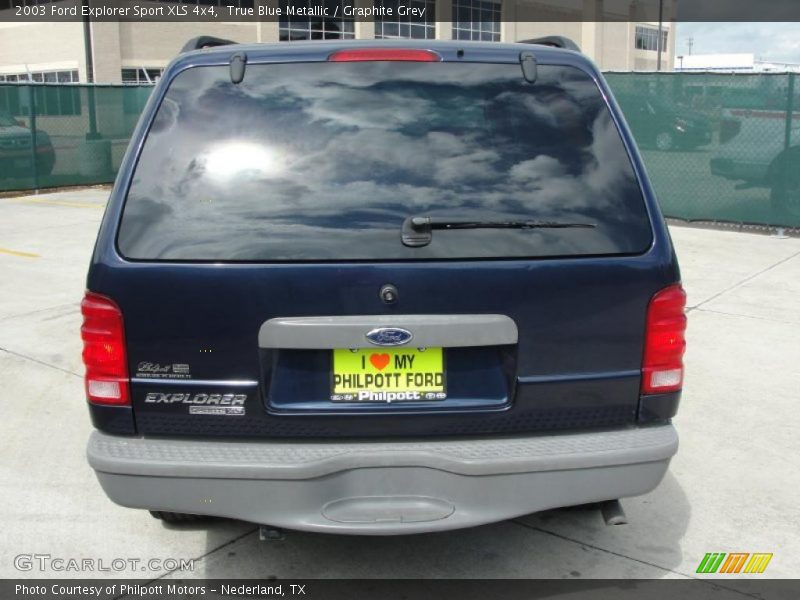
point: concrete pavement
(732, 486)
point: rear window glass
(324, 161)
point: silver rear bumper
(380, 487)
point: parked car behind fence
(22, 149)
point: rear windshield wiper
(418, 231)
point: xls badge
(154, 370)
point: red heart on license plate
(379, 361)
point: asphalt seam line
(712, 583)
(743, 281)
(40, 362)
(730, 314)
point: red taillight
(104, 357)
(372, 54)
(665, 342)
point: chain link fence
(717, 147)
(54, 135)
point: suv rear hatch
(264, 280)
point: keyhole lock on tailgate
(388, 294)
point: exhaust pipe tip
(270, 534)
(612, 512)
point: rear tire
(785, 198)
(45, 165)
(173, 517)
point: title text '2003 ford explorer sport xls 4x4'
(381, 288)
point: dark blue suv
(380, 288)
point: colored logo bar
(734, 562)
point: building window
(476, 20)
(647, 38)
(406, 27)
(141, 76)
(70, 76)
(303, 27)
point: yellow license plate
(388, 375)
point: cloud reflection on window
(324, 161)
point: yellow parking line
(61, 203)
(18, 253)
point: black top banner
(413, 10)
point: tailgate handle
(427, 331)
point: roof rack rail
(556, 41)
(205, 41)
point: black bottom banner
(400, 589)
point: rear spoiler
(205, 41)
(556, 41)
(209, 41)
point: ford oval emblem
(389, 336)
